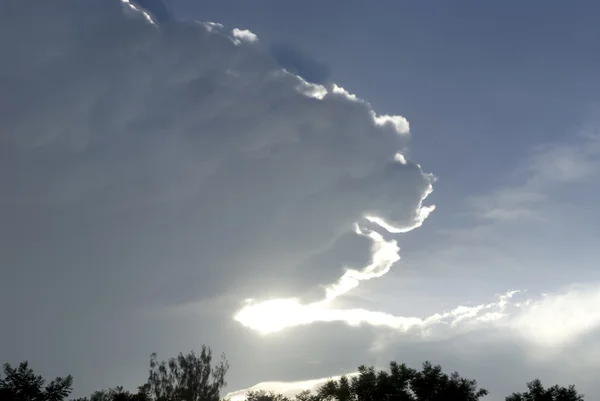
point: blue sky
(167, 172)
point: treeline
(194, 377)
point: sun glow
(275, 315)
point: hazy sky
(264, 187)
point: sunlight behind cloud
(275, 315)
(548, 322)
(559, 319)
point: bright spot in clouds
(561, 318)
(275, 315)
(548, 322)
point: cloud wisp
(546, 171)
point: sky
(304, 186)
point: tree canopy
(188, 377)
(402, 383)
(195, 377)
(22, 384)
(537, 392)
(263, 395)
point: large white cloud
(162, 163)
(180, 151)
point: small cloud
(399, 157)
(399, 123)
(244, 35)
(211, 26)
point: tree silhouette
(262, 395)
(22, 384)
(401, 383)
(193, 377)
(306, 395)
(537, 392)
(188, 377)
(432, 384)
(118, 394)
